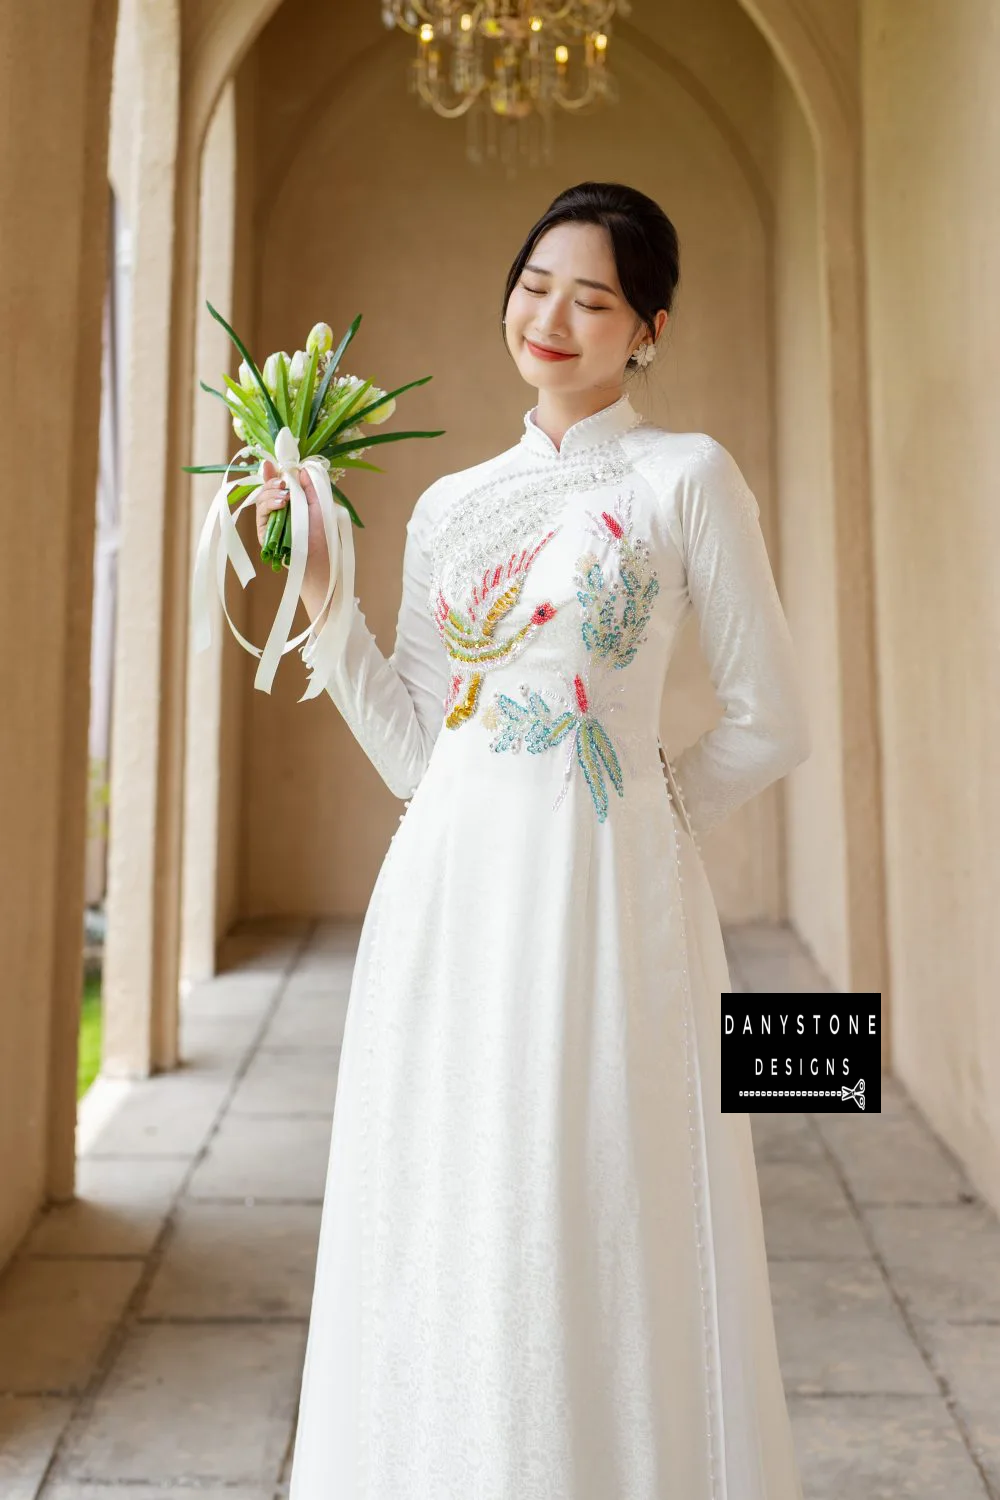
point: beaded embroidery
(470, 634)
(615, 615)
(539, 727)
(491, 520)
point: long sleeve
(394, 705)
(745, 639)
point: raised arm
(744, 636)
(394, 705)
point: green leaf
(320, 396)
(359, 416)
(272, 410)
(304, 398)
(283, 398)
(372, 438)
(331, 370)
(338, 352)
(218, 468)
(347, 505)
(338, 418)
(359, 463)
(251, 416)
(240, 493)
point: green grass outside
(89, 1060)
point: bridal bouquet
(300, 414)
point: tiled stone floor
(152, 1333)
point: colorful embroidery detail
(470, 634)
(541, 728)
(615, 616)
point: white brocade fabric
(541, 1270)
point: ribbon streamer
(321, 652)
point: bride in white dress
(541, 1271)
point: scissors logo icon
(857, 1093)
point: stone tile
(881, 1448)
(231, 994)
(785, 1137)
(338, 954)
(265, 1157)
(307, 1021)
(944, 1261)
(757, 939)
(895, 1099)
(807, 1213)
(891, 1158)
(192, 1402)
(322, 975)
(30, 1427)
(288, 1083)
(771, 957)
(86, 1490)
(55, 1319)
(968, 1356)
(214, 1050)
(235, 1260)
(260, 949)
(120, 1208)
(791, 972)
(839, 1330)
(166, 1115)
(335, 935)
(328, 982)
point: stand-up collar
(589, 432)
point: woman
(541, 1270)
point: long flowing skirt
(541, 1271)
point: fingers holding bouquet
(300, 425)
(273, 496)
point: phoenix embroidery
(473, 633)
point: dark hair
(643, 241)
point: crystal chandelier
(505, 64)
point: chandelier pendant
(507, 66)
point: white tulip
(381, 412)
(270, 372)
(321, 337)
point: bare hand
(273, 495)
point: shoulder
(673, 457)
(437, 500)
(691, 472)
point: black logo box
(819, 1052)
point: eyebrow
(580, 280)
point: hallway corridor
(151, 1334)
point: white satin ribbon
(322, 651)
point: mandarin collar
(610, 422)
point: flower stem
(275, 525)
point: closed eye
(538, 291)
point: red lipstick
(541, 353)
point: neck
(556, 411)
